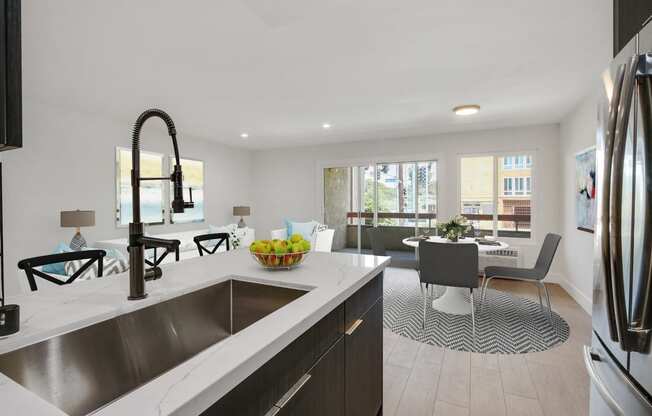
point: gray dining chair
(376, 240)
(378, 249)
(534, 275)
(448, 265)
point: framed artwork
(585, 190)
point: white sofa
(323, 241)
(187, 248)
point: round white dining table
(455, 300)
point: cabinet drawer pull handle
(354, 326)
(293, 391)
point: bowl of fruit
(280, 254)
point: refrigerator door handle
(599, 383)
(606, 192)
(642, 307)
(615, 205)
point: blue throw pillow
(58, 268)
(288, 227)
(306, 229)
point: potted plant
(455, 228)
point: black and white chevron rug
(508, 324)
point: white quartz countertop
(192, 386)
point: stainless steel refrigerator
(619, 359)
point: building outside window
(496, 194)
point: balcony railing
(392, 215)
(520, 229)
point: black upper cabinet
(11, 118)
(629, 16)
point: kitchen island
(340, 289)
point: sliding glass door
(400, 198)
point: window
(151, 192)
(495, 194)
(508, 186)
(477, 192)
(193, 178)
(400, 198)
(519, 188)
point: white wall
(68, 162)
(287, 181)
(578, 132)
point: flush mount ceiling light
(326, 126)
(466, 110)
(244, 135)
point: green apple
(264, 247)
(280, 247)
(297, 248)
(295, 238)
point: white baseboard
(584, 301)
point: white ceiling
(278, 69)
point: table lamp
(241, 212)
(77, 219)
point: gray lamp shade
(241, 211)
(77, 218)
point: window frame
(117, 186)
(519, 186)
(534, 200)
(166, 188)
(510, 180)
(438, 158)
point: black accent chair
(28, 265)
(156, 243)
(219, 238)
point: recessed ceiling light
(466, 110)
(244, 135)
(326, 126)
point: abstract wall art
(585, 190)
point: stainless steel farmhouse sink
(83, 370)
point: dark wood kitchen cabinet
(628, 19)
(321, 391)
(364, 365)
(332, 369)
(364, 350)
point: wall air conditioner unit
(507, 257)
